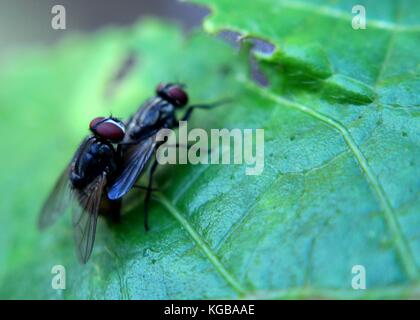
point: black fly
(139, 143)
(82, 185)
(98, 176)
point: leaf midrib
(399, 240)
(220, 268)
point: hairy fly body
(140, 143)
(82, 185)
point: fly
(82, 185)
(139, 143)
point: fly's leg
(190, 109)
(178, 145)
(144, 188)
(149, 187)
(187, 146)
(144, 134)
(114, 210)
(148, 193)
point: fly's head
(108, 129)
(173, 93)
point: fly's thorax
(98, 158)
(156, 114)
(103, 157)
(149, 113)
(167, 114)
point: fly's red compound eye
(177, 94)
(94, 122)
(108, 129)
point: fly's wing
(136, 151)
(146, 117)
(134, 161)
(59, 199)
(148, 113)
(57, 202)
(85, 208)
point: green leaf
(346, 99)
(339, 188)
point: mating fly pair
(108, 163)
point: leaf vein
(220, 268)
(402, 247)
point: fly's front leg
(190, 109)
(187, 146)
(148, 193)
(149, 187)
(144, 134)
(144, 188)
(112, 209)
(116, 210)
(120, 152)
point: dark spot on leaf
(225, 70)
(256, 45)
(292, 138)
(262, 46)
(256, 73)
(230, 37)
(125, 67)
(404, 134)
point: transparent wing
(60, 196)
(134, 161)
(57, 201)
(136, 153)
(85, 208)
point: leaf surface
(340, 183)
